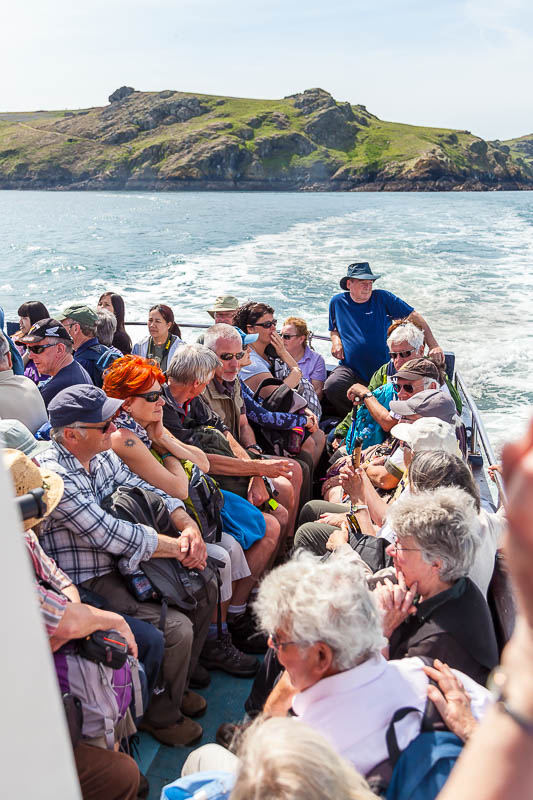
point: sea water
(463, 260)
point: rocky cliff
(307, 141)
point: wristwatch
(496, 685)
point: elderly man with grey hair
(19, 397)
(435, 610)
(326, 630)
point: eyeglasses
(289, 335)
(37, 349)
(266, 325)
(398, 546)
(103, 428)
(275, 644)
(407, 387)
(229, 356)
(401, 354)
(151, 397)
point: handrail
(208, 325)
(479, 433)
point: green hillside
(308, 141)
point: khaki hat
(27, 476)
(224, 302)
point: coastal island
(173, 140)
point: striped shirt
(84, 540)
(51, 601)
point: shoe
(144, 787)
(193, 705)
(228, 733)
(245, 635)
(222, 654)
(200, 679)
(183, 732)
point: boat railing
(479, 436)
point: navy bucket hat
(359, 271)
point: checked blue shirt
(83, 539)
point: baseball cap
(418, 368)
(81, 313)
(81, 403)
(17, 436)
(429, 403)
(247, 338)
(46, 327)
(428, 433)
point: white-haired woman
(435, 610)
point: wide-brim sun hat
(224, 302)
(359, 271)
(428, 433)
(26, 476)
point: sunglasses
(37, 349)
(289, 335)
(401, 354)
(229, 356)
(407, 387)
(266, 325)
(151, 397)
(103, 428)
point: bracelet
(164, 455)
(255, 447)
(367, 395)
(357, 507)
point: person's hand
(334, 519)
(330, 483)
(337, 538)
(156, 431)
(336, 443)
(377, 461)
(353, 483)
(396, 602)
(278, 345)
(337, 350)
(451, 700)
(196, 555)
(437, 355)
(257, 493)
(493, 469)
(120, 625)
(274, 467)
(312, 421)
(356, 391)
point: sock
(234, 611)
(212, 633)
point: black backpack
(101, 357)
(204, 503)
(172, 584)
(275, 440)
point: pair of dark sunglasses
(289, 335)
(37, 349)
(151, 397)
(401, 354)
(267, 325)
(407, 387)
(229, 356)
(104, 428)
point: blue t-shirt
(68, 376)
(363, 328)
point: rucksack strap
(263, 385)
(390, 736)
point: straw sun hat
(27, 476)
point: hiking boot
(193, 705)
(245, 634)
(183, 732)
(222, 654)
(229, 733)
(200, 679)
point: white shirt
(491, 530)
(353, 709)
(21, 399)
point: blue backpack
(102, 357)
(424, 766)
(212, 785)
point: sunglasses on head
(229, 356)
(37, 349)
(401, 354)
(151, 397)
(407, 387)
(266, 325)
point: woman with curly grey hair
(435, 610)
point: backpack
(101, 357)
(204, 503)
(283, 399)
(170, 582)
(424, 766)
(213, 785)
(104, 693)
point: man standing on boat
(359, 317)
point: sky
(464, 64)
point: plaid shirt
(81, 537)
(51, 600)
